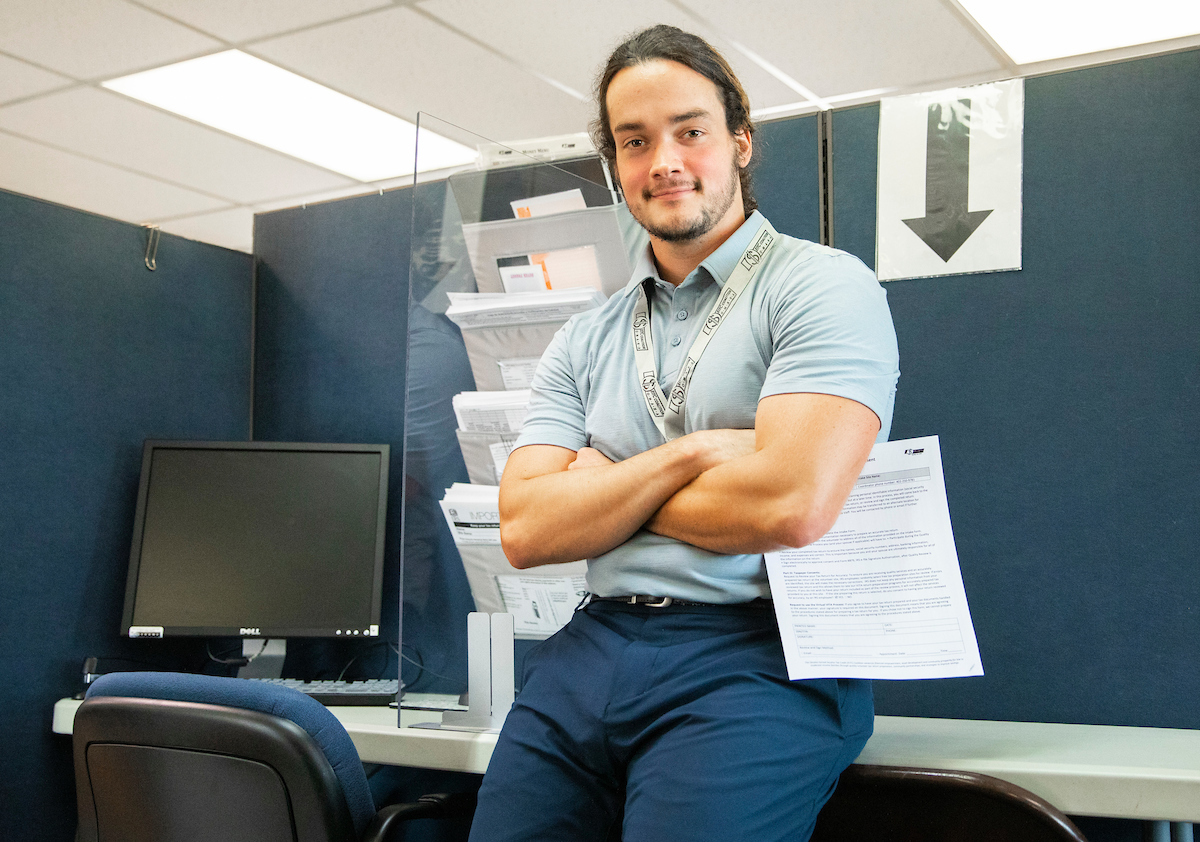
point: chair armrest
(387, 825)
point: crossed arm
(779, 485)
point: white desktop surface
(1087, 770)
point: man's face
(676, 160)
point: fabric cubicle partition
(1066, 397)
(97, 353)
(785, 176)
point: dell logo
(249, 631)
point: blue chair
(169, 757)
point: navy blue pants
(664, 725)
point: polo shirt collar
(643, 269)
(719, 265)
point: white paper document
(881, 595)
(570, 268)
(473, 513)
(517, 373)
(471, 310)
(491, 412)
(567, 200)
(523, 278)
(555, 270)
(541, 600)
(540, 605)
(500, 451)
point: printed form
(881, 595)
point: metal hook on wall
(152, 234)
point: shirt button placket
(680, 315)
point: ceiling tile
(403, 62)
(233, 229)
(19, 80)
(574, 39)
(104, 125)
(855, 45)
(243, 20)
(94, 39)
(36, 170)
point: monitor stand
(265, 657)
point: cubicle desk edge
(375, 735)
(378, 740)
(1086, 770)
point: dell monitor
(258, 540)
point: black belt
(666, 601)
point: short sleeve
(556, 415)
(831, 333)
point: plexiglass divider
(502, 256)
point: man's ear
(745, 146)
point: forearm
(809, 451)
(744, 507)
(564, 515)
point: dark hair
(669, 43)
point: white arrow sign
(950, 182)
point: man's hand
(589, 457)
(560, 505)
(721, 446)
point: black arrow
(947, 223)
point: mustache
(694, 184)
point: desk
(1085, 770)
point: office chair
(168, 757)
(901, 804)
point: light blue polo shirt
(813, 320)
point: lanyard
(667, 411)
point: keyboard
(374, 691)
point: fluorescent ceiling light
(1037, 30)
(248, 97)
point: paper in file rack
(501, 331)
(548, 204)
(491, 412)
(485, 454)
(475, 310)
(541, 600)
(599, 227)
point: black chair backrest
(148, 770)
(900, 804)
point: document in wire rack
(881, 595)
(541, 600)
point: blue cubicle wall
(785, 176)
(1066, 396)
(96, 354)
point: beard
(712, 211)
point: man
(663, 710)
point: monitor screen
(258, 539)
